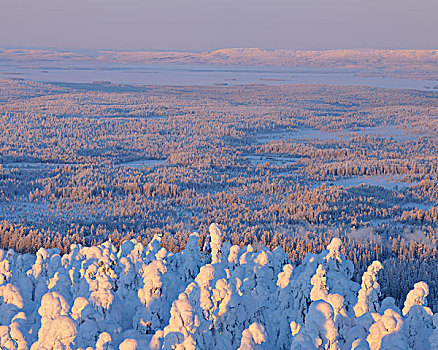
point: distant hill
(422, 64)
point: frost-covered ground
(217, 297)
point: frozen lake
(200, 75)
(147, 163)
(277, 159)
(33, 166)
(382, 181)
(303, 134)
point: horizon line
(213, 49)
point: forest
(289, 166)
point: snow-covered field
(379, 181)
(306, 134)
(220, 297)
(144, 163)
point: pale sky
(213, 24)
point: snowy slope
(223, 297)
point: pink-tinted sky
(211, 24)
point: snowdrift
(223, 297)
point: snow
(215, 242)
(368, 298)
(224, 297)
(253, 337)
(387, 332)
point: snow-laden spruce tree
(215, 243)
(188, 328)
(12, 337)
(319, 331)
(253, 337)
(11, 302)
(287, 318)
(320, 291)
(369, 293)
(5, 266)
(190, 259)
(154, 296)
(387, 332)
(339, 272)
(46, 264)
(58, 330)
(293, 297)
(366, 308)
(419, 322)
(88, 321)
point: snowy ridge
(223, 297)
(420, 63)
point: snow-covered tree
(216, 237)
(387, 332)
(319, 330)
(368, 298)
(58, 330)
(253, 337)
(419, 323)
(138, 297)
